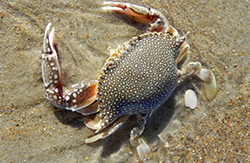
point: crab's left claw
(146, 15)
(76, 100)
(51, 71)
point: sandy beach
(32, 130)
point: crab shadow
(155, 125)
(112, 144)
(69, 118)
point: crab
(136, 79)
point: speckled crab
(136, 79)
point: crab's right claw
(146, 15)
(139, 13)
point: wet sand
(32, 130)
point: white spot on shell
(55, 76)
(67, 98)
(55, 97)
(190, 99)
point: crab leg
(205, 75)
(118, 123)
(142, 148)
(80, 97)
(156, 20)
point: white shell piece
(190, 99)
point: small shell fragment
(211, 89)
(190, 99)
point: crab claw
(49, 54)
(146, 15)
(51, 71)
(139, 13)
(76, 100)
